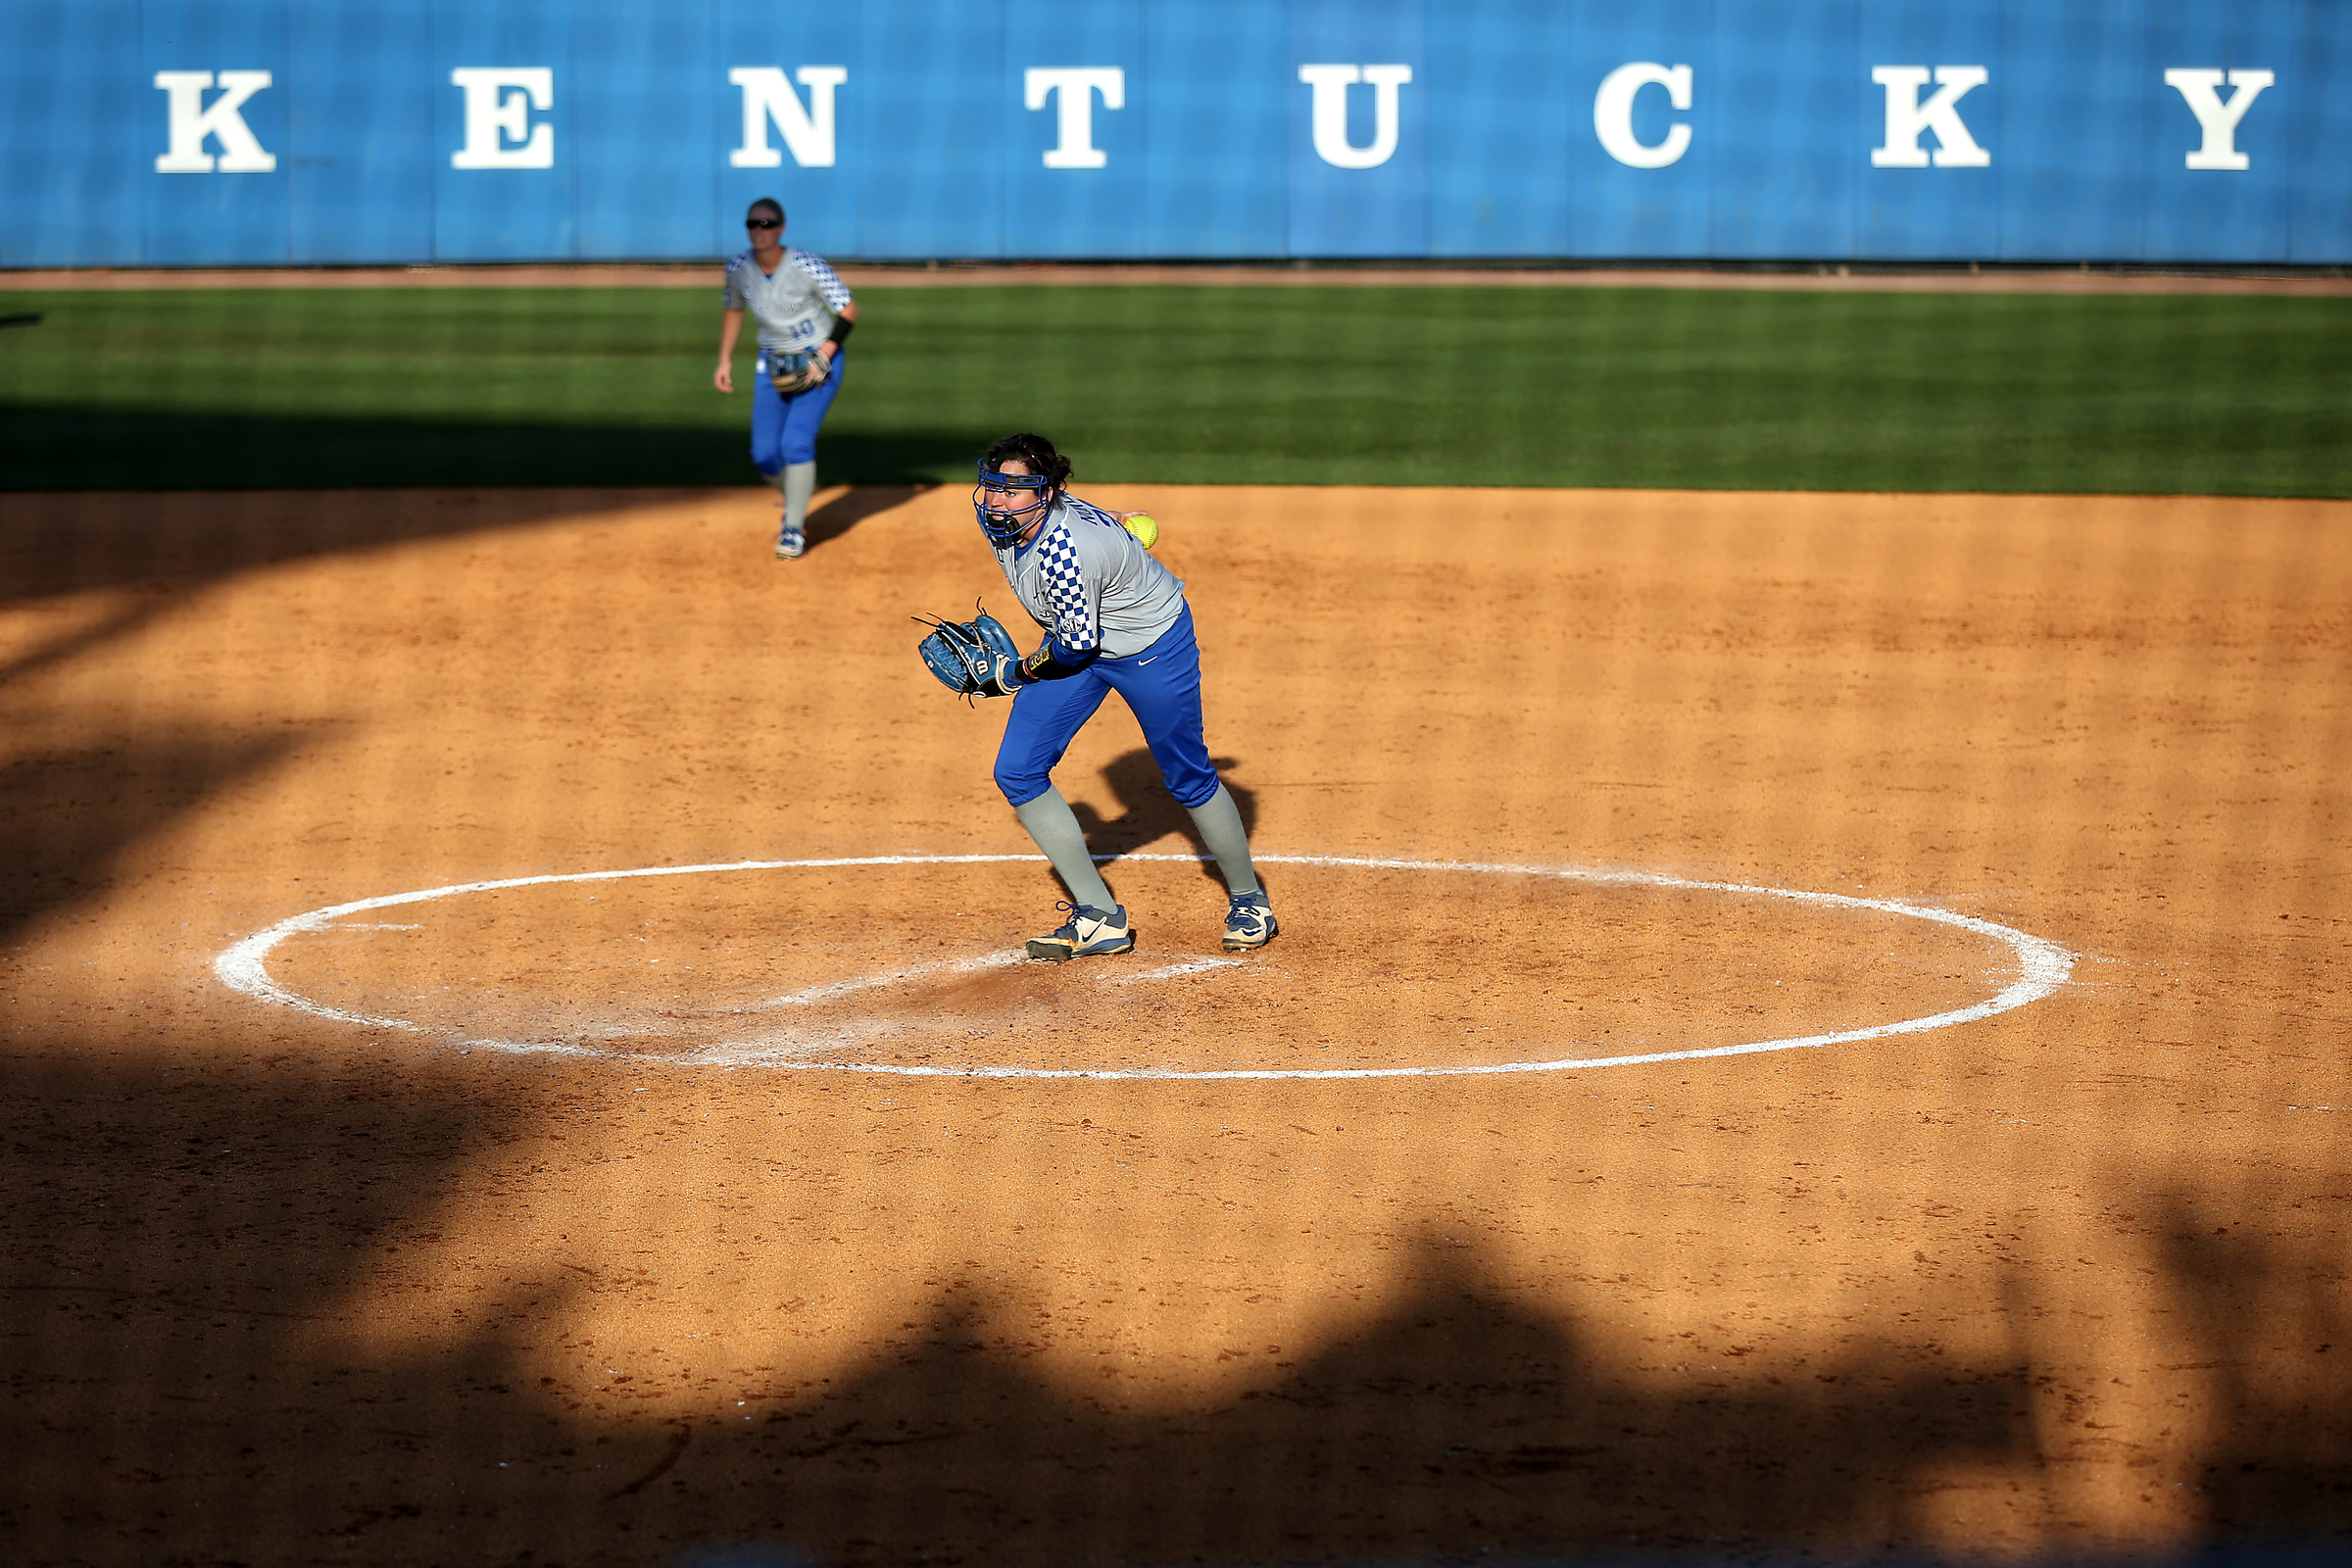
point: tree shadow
(63, 447)
(175, 1241)
(176, 1378)
(263, 492)
(1148, 813)
(1458, 1421)
(86, 542)
(2275, 1337)
(67, 816)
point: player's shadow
(852, 507)
(1148, 813)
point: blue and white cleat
(791, 544)
(1250, 922)
(1088, 933)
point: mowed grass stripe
(1728, 389)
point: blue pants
(784, 428)
(1162, 689)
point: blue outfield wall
(185, 132)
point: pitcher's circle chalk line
(2042, 965)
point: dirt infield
(604, 1221)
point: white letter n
(766, 96)
(1907, 116)
(2218, 120)
(192, 123)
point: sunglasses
(763, 222)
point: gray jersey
(1091, 584)
(794, 305)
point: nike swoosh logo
(1141, 663)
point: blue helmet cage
(1003, 528)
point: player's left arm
(838, 300)
(841, 331)
(1048, 661)
(1075, 638)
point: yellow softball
(1145, 531)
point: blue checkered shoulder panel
(1065, 588)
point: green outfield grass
(1724, 389)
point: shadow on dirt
(1149, 813)
(66, 817)
(2277, 1338)
(184, 1386)
(85, 543)
(851, 508)
(68, 811)
(65, 448)
(92, 541)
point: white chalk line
(1171, 971)
(889, 977)
(2044, 967)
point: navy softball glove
(796, 372)
(971, 657)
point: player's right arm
(730, 327)
(734, 302)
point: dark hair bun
(1034, 453)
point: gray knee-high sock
(1220, 823)
(1051, 821)
(798, 481)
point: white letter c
(1613, 113)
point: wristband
(841, 331)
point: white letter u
(1329, 115)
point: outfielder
(805, 314)
(1116, 620)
